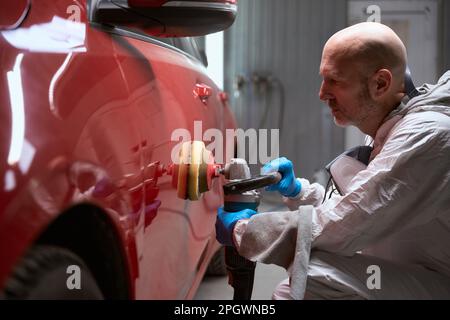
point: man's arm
(402, 187)
(310, 194)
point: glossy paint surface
(13, 13)
(87, 117)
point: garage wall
(284, 39)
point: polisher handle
(238, 187)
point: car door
(161, 80)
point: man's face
(345, 91)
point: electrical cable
(266, 110)
(326, 190)
(268, 100)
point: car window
(195, 47)
(190, 46)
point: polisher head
(193, 171)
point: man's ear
(380, 83)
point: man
(388, 236)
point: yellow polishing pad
(197, 150)
(193, 173)
(206, 171)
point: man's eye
(331, 81)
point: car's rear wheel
(48, 272)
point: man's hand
(225, 223)
(288, 186)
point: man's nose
(324, 94)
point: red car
(89, 100)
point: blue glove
(288, 186)
(225, 223)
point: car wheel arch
(89, 232)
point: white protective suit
(395, 217)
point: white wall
(214, 52)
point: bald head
(363, 71)
(371, 46)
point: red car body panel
(98, 118)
